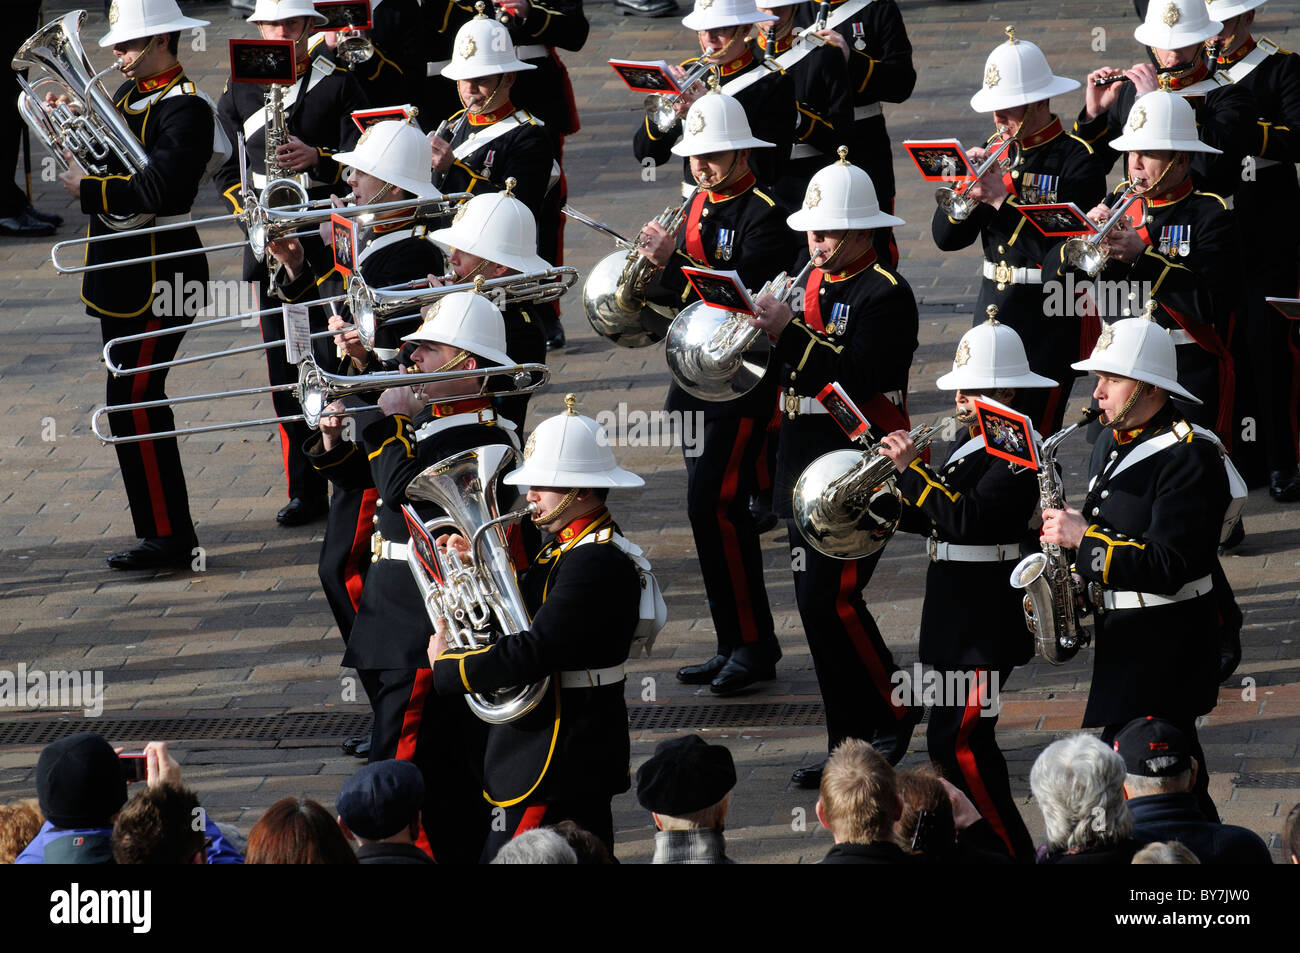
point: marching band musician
(975, 509)
(569, 756)
(1146, 540)
(1054, 166)
(1272, 255)
(1174, 31)
(722, 28)
(422, 426)
(874, 43)
(396, 66)
(858, 326)
(318, 118)
(174, 123)
(730, 224)
(1182, 244)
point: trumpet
(715, 354)
(846, 503)
(370, 307)
(354, 47)
(315, 389)
(661, 108)
(955, 202)
(613, 296)
(1086, 253)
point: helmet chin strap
(418, 389)
(830, 257)
(542, 519)
(1118, 420)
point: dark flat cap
(685, 775)
(381, 798)
(79, 782)
(1153, 748)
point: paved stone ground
(251, 634)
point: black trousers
(594, 815)
(854, 666)
(151, 469)
(1202, 787)
(719, 484)
(961, 737)
(1273, 343)
(21, 15)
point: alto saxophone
(1050, 588)
(284, 186)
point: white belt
(867, 111)
(804, 150)
(1112, 599)
(941, 551)
(435, 68)
(171, 219)
(534, 51)
(387, 550)
(1007, 275)
(1181, 337)
(592, 677)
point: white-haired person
(1078, 784)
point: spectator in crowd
(940, 824)
(1159, 852)
(1079, 785)
(19, 823)
(541, 845)
(157, 827)
(379, 810)
(686, 786)
(589, 848)
(297, 830)
(859, 805)
(1291, 837)
(1159, 786)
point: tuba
(1049, 585)
(87, 124)
(846, 503)
(479, 598)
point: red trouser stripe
(532, 818)
(849, 586)
(730, 541)
(360, 549)
(970, 769)
(148, 459)
(410, 736)
(284, 450)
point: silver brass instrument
(481, 601)
(87, 124)
(955, 202)
(715, 354)
(661, 108)
(1045, 577)
(284, 186)
(316, 388)
(846, 503)
(1086, 253)
(613, 296)
(354, 47)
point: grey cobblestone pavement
(250, 634)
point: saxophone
(284, 186)
(1049, 585)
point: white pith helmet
(271, 11)
(1015, 74)
(840, 196)
(483, 47)
(1225, 10)
(133, 19)
(990, 356)
(468, 321)
(716, 122)
(1138, 349)
(1173, 24)
(1161, 120)
(394, 151)
(497, 227)
(570, 451)
(716, 14)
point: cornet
(661, 108)
(1086, 253)
(955, 202)
(354, 47)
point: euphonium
(1049, 585)
(846, 503)
(613, 295)
(480, 599)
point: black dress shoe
(737, 675)
(702, 674)
(555, 338)
(809, 778)
(1283, 486)
(1235, 539)
(891, 743)
(301, 511)
(647, 8)
(358, 746)
(158, 552)
(23, 225)
(49, 218)
(764, 519)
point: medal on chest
(488, 159)
(1037, 188)
(726, 244)
(859, 31)
(839, 321)
(1176, 240)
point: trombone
(316, 388)
(263, 224)
(955, 202)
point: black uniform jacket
(1225, 119)
(175, 126)
(880, 71)
(1055, 166)
(394, 75)
(392, 629)
(574, 744)
(523, 153)
(739, 228)
(869, 320)
(971, 615)
(769, 108)
(1154, 528)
